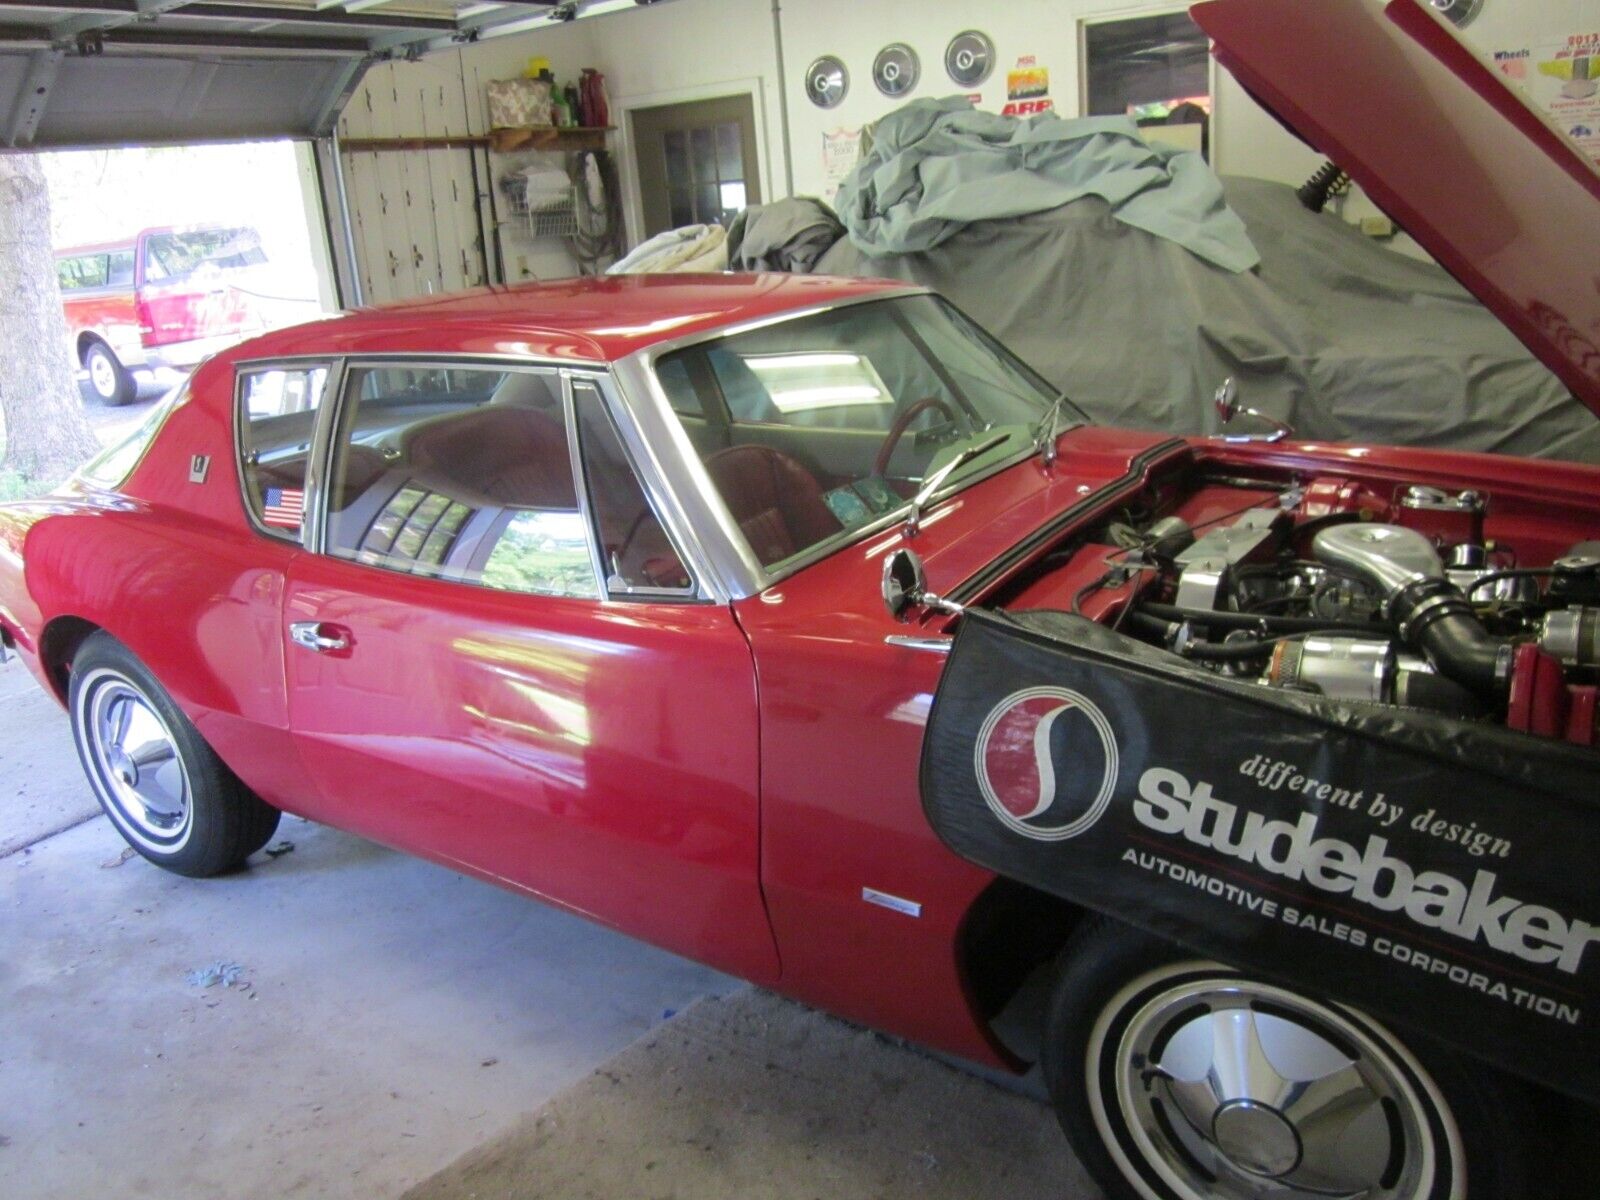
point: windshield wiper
(933, 482)
(1049, 430)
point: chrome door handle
(319, 636)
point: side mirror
(904, 582)
(1227, 399)
(905, 586)
(1226, 402)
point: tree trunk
(47, 435)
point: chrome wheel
(134, 761)
(1228, 1088)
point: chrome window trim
(256, 366)
(735, 566)
(580, 486)
(327, 434)
(697, 590)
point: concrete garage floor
(396, 1014)
(390, 1016)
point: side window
(112, 466)
(635, 551)
(277, 421)
(462, 474)
(86, 271)
(121, 269)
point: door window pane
(681, 203)
(277, 421)
(634, 548)
(730, 152)
(675, 146)
(462, 474)
(703, 152)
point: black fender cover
(1438, 873)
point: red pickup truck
(158, 301)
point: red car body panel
(1447, 147)
(515, 736)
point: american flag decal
(283, 507)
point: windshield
(813, 428)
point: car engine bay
(1399, 594)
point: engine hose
(1171, 613)
(1436, 618)
(1315, 192)
(1222, 652)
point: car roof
(132, 239)
(598, 319)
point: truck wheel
(1177, 1078)
(169, 795)
(110, 380)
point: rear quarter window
(111, 467)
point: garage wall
(415, 216)
(699, 49)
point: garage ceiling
(117, 72)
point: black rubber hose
(1213, 651)
(1259, 621)
(1439, 621)
(1436, 693)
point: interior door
(462, 685)
(696, 162)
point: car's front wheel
(112, 382)
(169, 795)
(1177, 1078)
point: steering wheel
(891, 439)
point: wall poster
(1562, 77)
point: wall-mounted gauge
(969, 58)
(1459, 11)
(827, 81)
(896, 69)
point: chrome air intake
(1431, 612)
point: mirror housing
(1226, 401)
(905, 586)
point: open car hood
(1446, 147)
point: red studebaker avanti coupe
(581, 588)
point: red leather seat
(514, 455)
(776, 501)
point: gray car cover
(1342, 337)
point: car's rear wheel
(111, 381)
(169, 795)
(1177, 1078)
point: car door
(479, 676)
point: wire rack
(547, 221)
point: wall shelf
(568, 137)
(501, 141)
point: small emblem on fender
(893, 903)
(199, 467)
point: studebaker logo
(1046, 762)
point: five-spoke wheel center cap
(1256, 1138)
